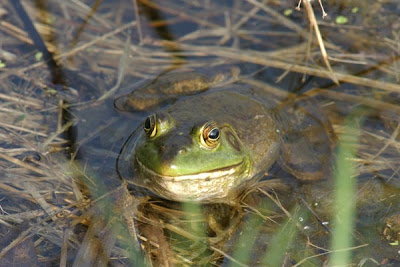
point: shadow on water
(59, 77)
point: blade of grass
(281, 242)
(242, 252)
(345, 185)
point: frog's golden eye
(150, 126)
(210, 136)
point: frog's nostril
(162, 148)
(182, 151)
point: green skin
(176, 164)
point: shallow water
(269, 45)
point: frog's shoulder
(308, 140)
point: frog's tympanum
(208, 146)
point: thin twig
(313, 22)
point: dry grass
(47, 198)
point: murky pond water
(62, 133)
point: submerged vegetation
(62, 201)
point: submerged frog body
(206, 147)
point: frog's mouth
(238, 169)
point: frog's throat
(238, 169)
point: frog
(208, 136)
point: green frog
(209, 137)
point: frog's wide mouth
(213, 174)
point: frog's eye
(210, 136)
(150, 126)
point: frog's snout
(167, 152)
(175, 148)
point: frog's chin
(233, 170)
(213, 186)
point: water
(264, 43)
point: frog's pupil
(147, 124)
(214, 134)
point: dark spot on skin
(184, 88)
(233, 141)
(173, 145)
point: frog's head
(190, 149)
